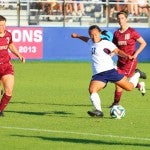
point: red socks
(4, 101)
(117, 97)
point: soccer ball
(117, 112)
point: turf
(49, 107)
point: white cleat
(142, 88)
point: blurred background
(74, 13)
(41, 29)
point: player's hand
(74, 35)
(22, 59)
(130, 57)
(134, 57)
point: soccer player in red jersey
(125, 39)
(6, 68)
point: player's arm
(142, 45)
(112, 54)
(122, 54)
(114, 41)
(83, 38)
(14, 50)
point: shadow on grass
(53, 104)
(60, 113)
(85, 141)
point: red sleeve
(135, 34)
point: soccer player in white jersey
(103, 67)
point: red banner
(29, 41)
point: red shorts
(127, 69)
(5, 69)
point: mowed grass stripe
(79, 133)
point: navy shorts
(108, 76)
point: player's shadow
(86, 141)
(50, 113)
(53, 104)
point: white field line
(77, 133)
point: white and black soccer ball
(117, 112)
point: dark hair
(2, 18)
(125, 13)
(94, 27)
(104, 32)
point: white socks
(135, 79)
(95, 99)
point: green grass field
(49, 107)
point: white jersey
(101, 61)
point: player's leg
(128, 70)
(132, 83)
(141, 85)
(94, 87)
(117, 95)
(8, 83)
(125, 84)
(1, 88)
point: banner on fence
(29, 41)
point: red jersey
(126, 41)
(4, 43)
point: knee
(91, 90)
(8, 92)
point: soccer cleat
(1, 114)
(96, 113)
(113, 104)
(142, 74)
(142, 88)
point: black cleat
(142, 74)
(95, 113)
(1, 114)
(113, 105)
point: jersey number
(93, 50)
